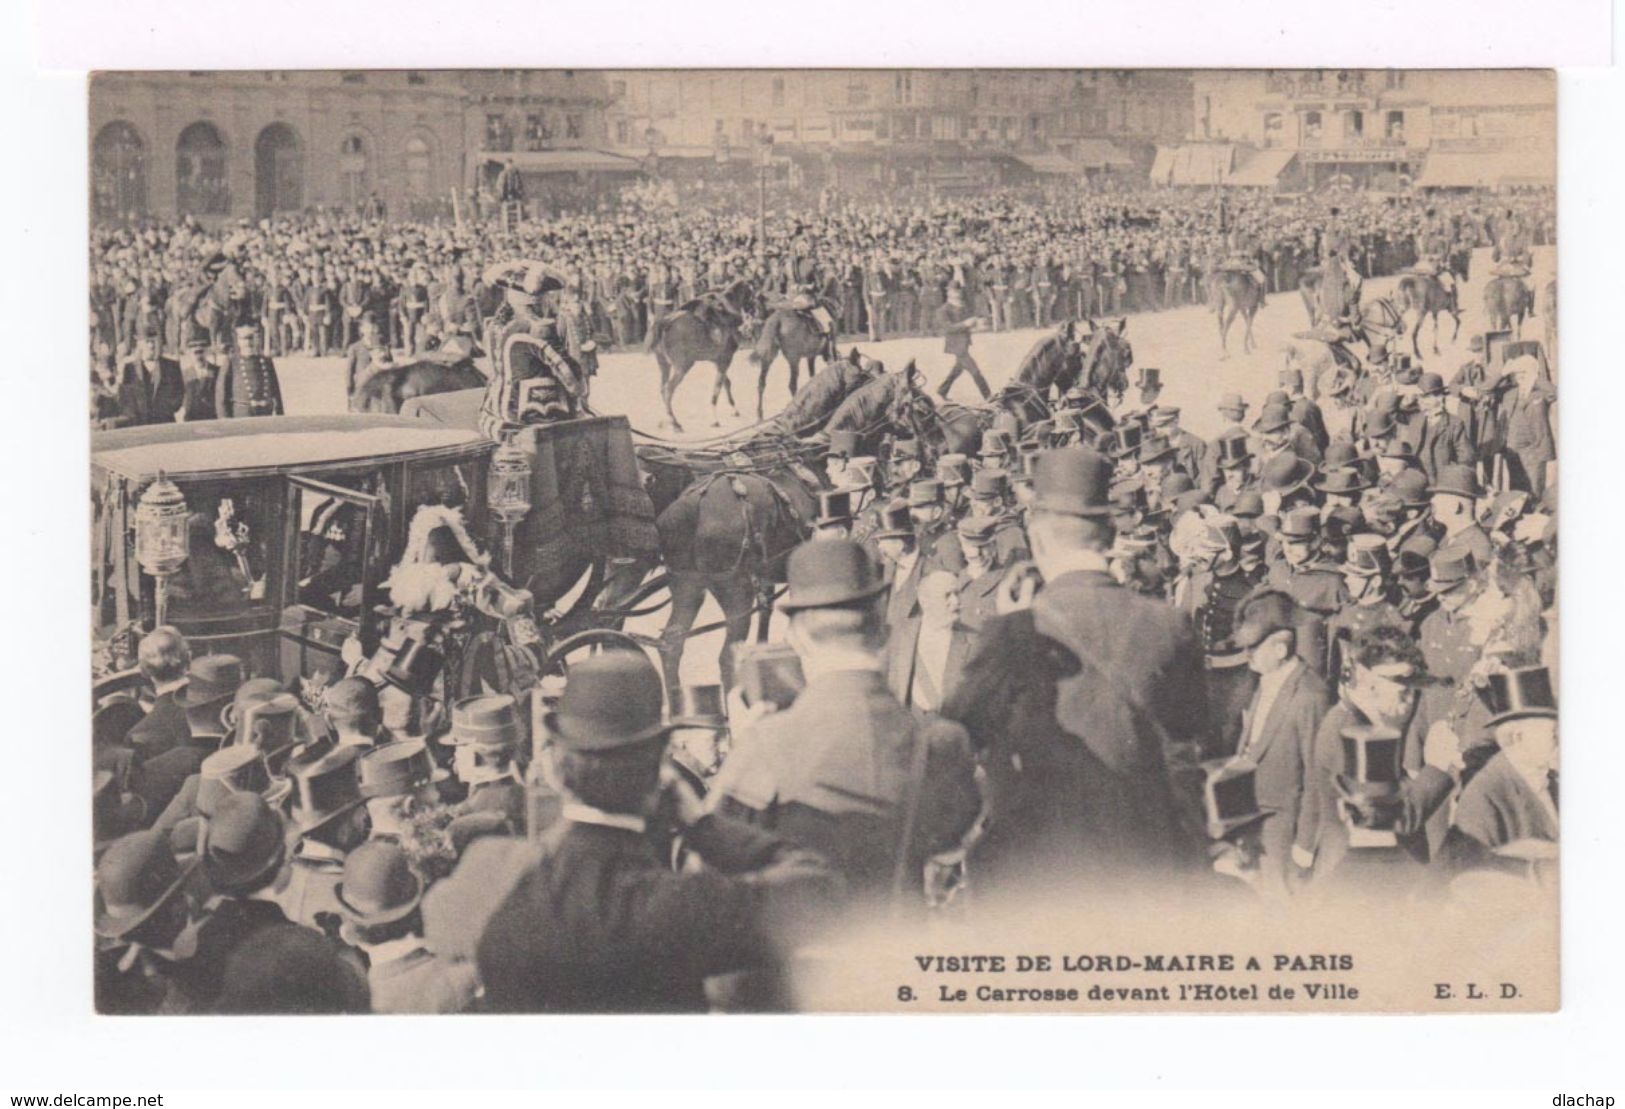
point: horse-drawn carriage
(275, 538)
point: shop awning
(1263, 169)
(1100, 154)
(1050, 163)
(1478, 169)
(1192, 164)
(565, 161)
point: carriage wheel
(593, 641)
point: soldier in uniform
(1455, 497)
(1446, 637)
(1315, 585)
(248, 384)
(1367, 582)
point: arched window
(200, 172)
(353, 185)
(118, 172)
(419, 167)
(279, 175)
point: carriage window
(231, 530)
(340, 534)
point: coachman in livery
(534, 379)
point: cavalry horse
(387, 389)
(217, 305)
(1235, 293)
(795, 335)
(1314, 353)
(1507, 301)
(1426, 296)
(705, 329)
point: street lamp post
(763, 163)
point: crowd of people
(1310, 658)
(1009, 258)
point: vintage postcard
(824, 540)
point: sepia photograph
(822, 540)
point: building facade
(251, 144)
(1310, 128)
(724, 115)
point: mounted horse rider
(1241, 256)
(534, 380)
(1433, 253)
(1513, 243)
(819, 311)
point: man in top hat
(1279, 725)
(977, 585)
(834, 519)
(1300, 572)
(1513, 797)
(164, 659)
(1442, 440)
(928, 508)
(151, 388)
(326, 821)
(211, 680)
(1454, 508)
(248, 384)
(1234, 463)
(1083, 706)
(589, 917)
(839, 770)
(380, 897)
(843, 445)
(1384, 673)
(700, 738)
(1149, 382)
(488, 741)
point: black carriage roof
(264, 445)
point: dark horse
(812, 407)
(389, 388)
(705, 329)
(795, 335)
(1427, 296)
(727, 535)
(1507, 300)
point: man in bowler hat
(846, 770)
(589, 916)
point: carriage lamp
(161, 539)
(508, 494)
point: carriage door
(335, 556)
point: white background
(49, 1039)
